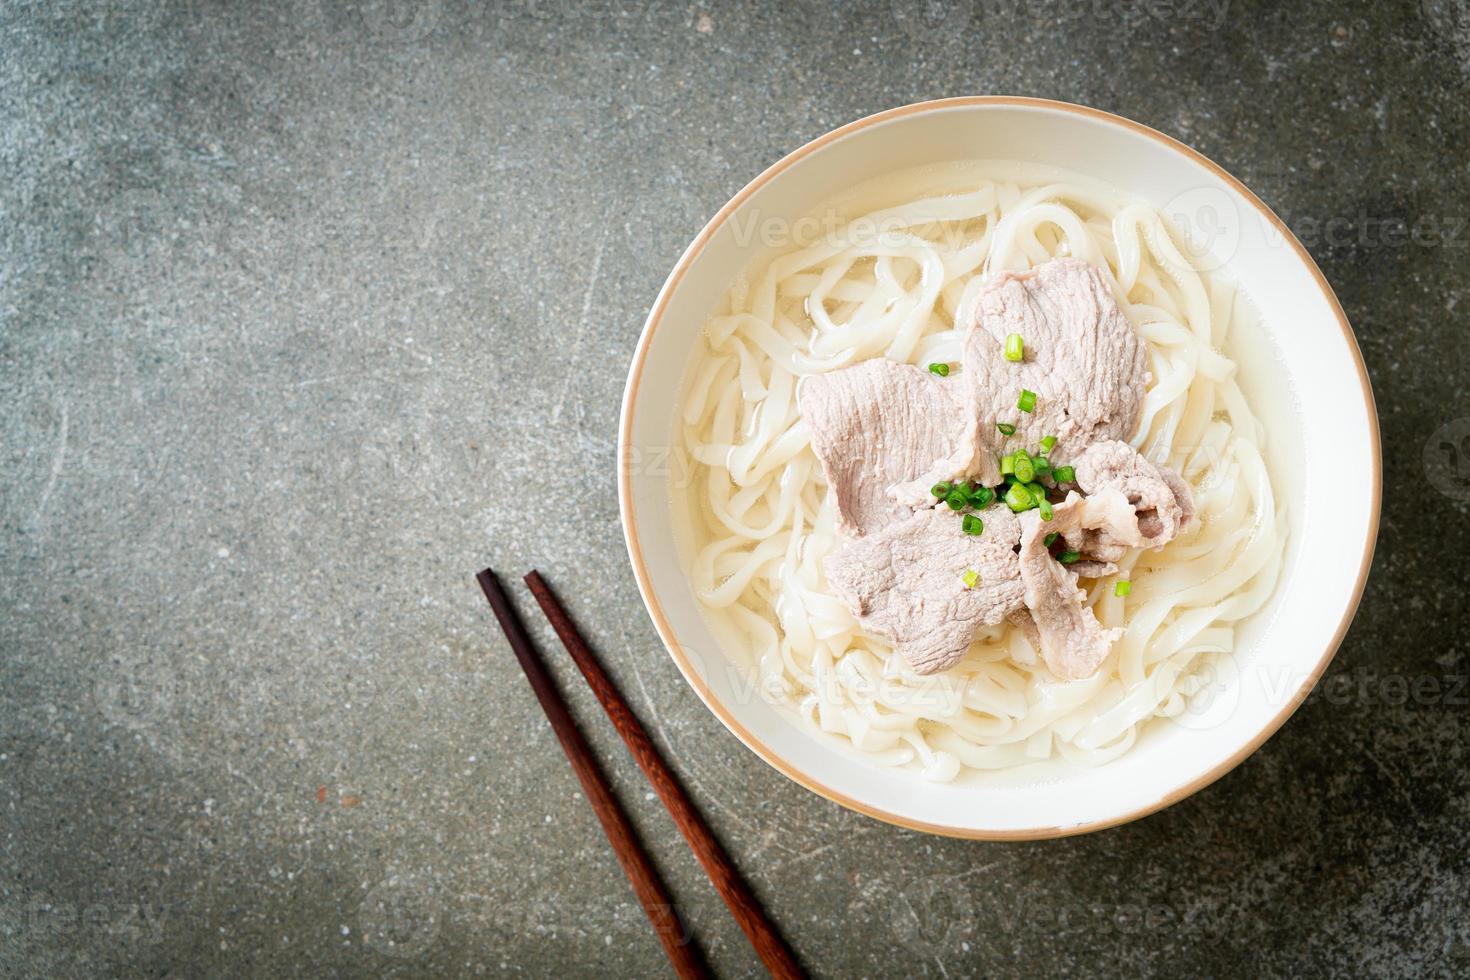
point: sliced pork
(1083, 360)
(885, 432)
(1073, 643)
(907, 582)
(873, 425)
(1147, 505)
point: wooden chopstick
(773, 951)
(635, 861)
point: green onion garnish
(1050, 538)
(1015, 347)
(1027, 401)
(1018, 498)
(972, 524)
(1025, 469)
(1064, 474)
(956, 499)
(1122, 588)
(940, 369)
(1042, 467)
(1047, 442)
(1069, 557)
(941, 489)
(971, 577)
(982, 498)
(1006, 429)
(1045, 507)
(1008, 464)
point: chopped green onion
(1044, 506)
(1122, 588)
(1015, 347)
(1006, 429)
(971, 577)
(1018, 498)
(972, 524)
(1064, 474)
(1027, 401)
(956, 500)
(1025, 469)
(1047, 443)
(982, 498)
(1069, 557)
(940, 369)
(1008, 464)
(941, 489)
(1050, 538)
(1042, 467)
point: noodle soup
(891, 270)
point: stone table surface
(307, 310)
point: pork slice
(1107, 526)
(1083, 359)
(1183, 495)
(873, 425)
(1140, 505)
(906, 582)
(1092, 568)
(1073, 643)
(1096, 543)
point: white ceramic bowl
(1304, 374)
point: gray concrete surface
(308, 310)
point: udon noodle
(888, 271)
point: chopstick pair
(635, 861)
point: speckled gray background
(306, 311)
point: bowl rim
(665, 629)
